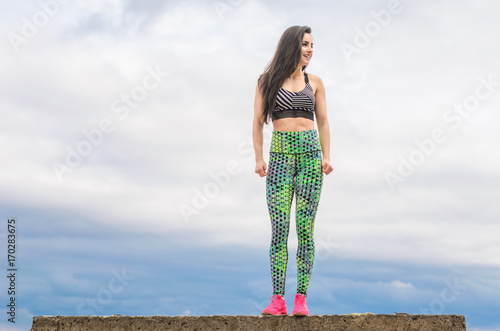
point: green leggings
(294, 166)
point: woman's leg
(309, 182)
(279, 191)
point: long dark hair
(283, 64)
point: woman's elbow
(258, 124)
(322, 121)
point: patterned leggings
(294, 165)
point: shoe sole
(300, 314)
(268, 313)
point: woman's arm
(257, 134)
(323, 126)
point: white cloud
(399, 284)
(395, 91)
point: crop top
(295, 104)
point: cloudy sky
(127, 160)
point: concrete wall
(351, 322)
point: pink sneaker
(277, 306)
(300, 305)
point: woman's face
(307, 49)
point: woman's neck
(298, 73)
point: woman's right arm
(257, 134)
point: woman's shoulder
(315, 81)
(314, 78)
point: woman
(298, 157)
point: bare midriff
(293, 124)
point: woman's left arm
(323, 126)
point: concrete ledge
(351, 322)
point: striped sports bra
(295, 104)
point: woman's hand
(260, 168)
(327, 167)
